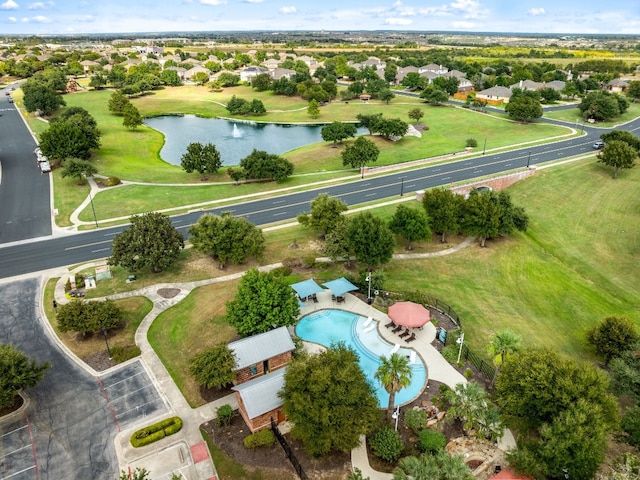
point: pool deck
(438, 368)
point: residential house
(310, 61)
(617, 85)
(279, 73)
(259, 376)
(189, 74)
(271, 63)
(88, 66)
(508, 474)
(495, 95)
(181, 71)
(432, 67)
(250, 72)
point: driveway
(68, 429)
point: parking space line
(106, 396)
(123, 380)
(22, 471)
(130, 392)
(13, 431)
(138, 407)
(15, 451)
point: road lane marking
(101, 250)
(88, 245)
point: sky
(129, 16)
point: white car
(45, 166)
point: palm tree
(466, 401)
(394, 374)
(432, 467)
(503, 343)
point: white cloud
(12, 19)
(464, 8)
(253, 1)
(36, 6)
(36, 19)
(287, 10)
(536, 11)
(398, 21)
(9, 5)
(213, 2)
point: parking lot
(17, 459)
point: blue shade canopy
(340, 286)
(306, 288)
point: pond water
(234, 140)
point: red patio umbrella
(409, 314)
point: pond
(234, 140)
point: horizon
(571, 17)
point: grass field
(574, 116)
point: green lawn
(574, 116)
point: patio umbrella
(306, 288)
(409, 314)
(340, 286)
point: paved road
(69, 427)
(24, 192)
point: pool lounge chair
(411, 338)
(388, 325)
(397, 329)
(405, 333)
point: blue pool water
(332, 326)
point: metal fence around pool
(287, 449)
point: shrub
(415, 420)
(450, 353)
(111, 181)
(283, 271)
(224, 414)
(309, 261)
(386, 444)
(468, 374)
(472, 142)
(263, 438)
(432, 441)
(122, 353)
(155, 432)
(292, 262)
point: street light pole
(485, 145)
(460, 342)
(529, 159)
(106, 341)
(401, 186)
(369, 291)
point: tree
(65, 140)
(625, 467)
(386, 95)
(256, 107)
(132, 118)
(227, 238)
(360, 153)
(523, 108)
(394, 374)
(170, 77)
(447, 84)
(416, 114)
(151, 241)
(439, 466)
(613, 336)
(38, 96)
(80, 118)
(502, 344)
(79, 169)
(468, 402)
(550, 95)
(261, 82)
(262, 303)
(204, 159)
(337, 132)
(411, 224)
(444, 209)
(117, 102)
(622, 135)
(200, 78)
(390, 72)
(536, 385)
(391, 127)
(599, 106)
(336, 243)
(326, 212)
(370, 239)
(98, 81)
(329, 400)
(262, 165)
(17, 372)
(619, 155)
(87, 317)
(369, 121)
(633, 91)
(489, 214)
(313, 109)
(228, 79)
(213, 368)
(434, 96)
(412, 80)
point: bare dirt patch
(168, 292)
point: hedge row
(156, 432)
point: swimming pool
(332, 326)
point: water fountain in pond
(236, 131)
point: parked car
(45, 166)
(10, 99)
(598, 145)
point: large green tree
(469, 403)
(17, 372)
(337, 132)
(613, 336)
(227, 238)
(131, 117)
(329, 400)
(391, 128)
(150, 241)
(326, 212)
(38, 96)
(523, 108)
(434, 95)
(213, 368)
(204, 159)
(263, 302)
(394, 374)
(600, 106)
(65, 140)
(117, 102)
(411, 224)
(370, 239)
(619, 155)
(623, 136)
(262, 165)
(360, 153)
(444, 209)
